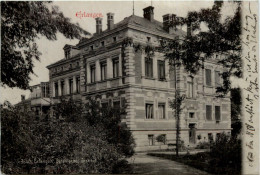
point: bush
(226, 155)
(203, 145)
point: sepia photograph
(130, 87)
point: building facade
(110, 67)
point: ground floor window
(151, 139)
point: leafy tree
(22, 23)
(236, 103)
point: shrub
(203, 145)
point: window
(217, 136)
(190, 89)
(149, 67)
(104, 105)
(151, 139)
(161, 70)
(67, 54)
(92, 72)
(148, 39)
(103, 67)
(78, 84)
(61, 68)
(91, 47)
(217, 113)
(115, 68)
(103, 43)
(71, 85)
(116, 104)
(217, 78)
(161, 111)
(77, 64)
(62, 88)
(208, 77)
(149, 111)
(114, 39)
(208, 112)
(191, 115)
(70, 66)
(210, 137)
(56, 89)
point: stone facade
(110, 68)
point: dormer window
(67, 54)
(103, 43)
(114, 39)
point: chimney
(169, 22)
(110, 21)
(98, 25)
(22, 97)
(148, 13)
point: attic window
(103, 43)
(114, 39)
(148, 39)
(67, 54)
(91, 47)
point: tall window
(217, 78)
(62, 88)
(190, 88)
(208, 77)
(116, 104)
(161, 111)
(56, 86)
(149, 67)
(103, 43)
(71, 85)
(161, 70)
(149, 111)
(93, 73)
(78, 84)
(217, 113)
(208, 112)
(103, 67)
(115, 68)
(151, 139)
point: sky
(52, 51)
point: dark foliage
(236, 103)
(21, 24)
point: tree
(236, 102)
(22, 23)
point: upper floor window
(149, 67)
(91, 47)
(56, 86)
(217, 113)
(103, 67)
(70, 66)
(71, 85)
(190, 88)
(103, 43)
(161, 111)
(151, 139)
(116, 104)
(208, 77)
(92, 73)
(77, 64)
(148, 39)
(161, 70)
(217, 78)
(191, 115)
(149, 111)
(114, 39)
(208, 112)
(115, 68)
(78, 84)
(62, 88)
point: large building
(108, 67)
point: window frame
(164, 111)
(151, 115)
(148, 67)
(209, 111)
(78, 84)
(103, 71)
(115, 67)
(71, 85)
(219, 113)
(92, 73)
(151, 138)
(160, 64)
(208, 78)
